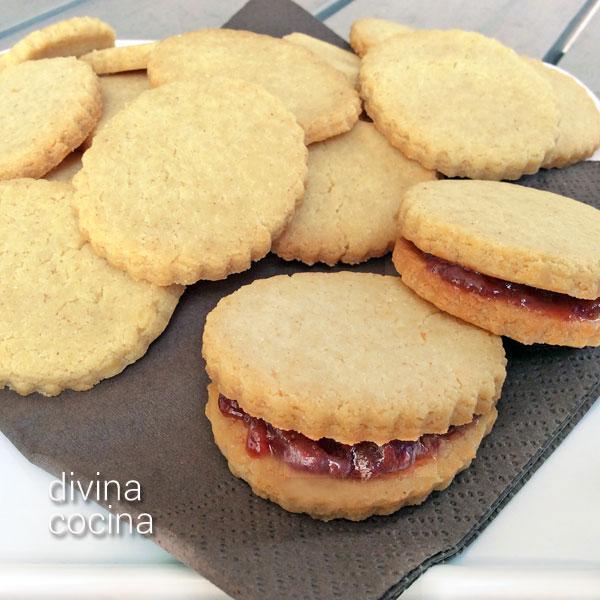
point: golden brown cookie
(191, 180)
(342, 60)
(118, 91)
(72, 37)
(528, 318)
(350, 356)
(350, 207)
(460, 103)
(321, 98)
(368, 32)
(47, 108)
(118, 60)
(579, 122)
(67, 318)
(329, 498)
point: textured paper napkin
(148, 424)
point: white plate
(543, 545)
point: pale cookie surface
(72, 37)
(519, 322)
(118, 91)
(67, 318)
(507, 231)
(460, 103)
(342, 60)
(191, 180)
(350, 356)
(350, 207)
(66, 170)
(327, 498)
(47, 108)
(320, 97)
(117, 60)
(368, 32)
(579, 124)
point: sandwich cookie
(321, 98)
(357, 398)
(460, 103)
(342, 60)
(118, 60)
(36, 135)
(67, 318)
(72, 37)
(513, 260)
(350, 207)
(191, 180)
(118, 91)
(368, 32)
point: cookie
(72, 37)
(342, 60)
(350, 207)
(513, 260)
(460, 103)
(326, 404)
(579, 122)
(368, 32)
(350, 356)
(328, 498)
(117, 60)
(191, 180)
(66, 170)
(320, 97)
(47, 108)
(85, 321)
(118, 91)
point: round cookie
(67, 318)
(323, 101)
(191, 180)
(72, 37)
(368, 32)
(117, 60)
(342, 60)
(460, 103)
(350, 207)
(507, 231)
(118, 90)
(328, 498)
(37, 134)
(350, 356)
(579, 123)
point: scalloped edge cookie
(460, 103)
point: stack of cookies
(151, 167)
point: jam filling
(561, 306)
(328, 457)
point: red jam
(559, 305)
(328, 457)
